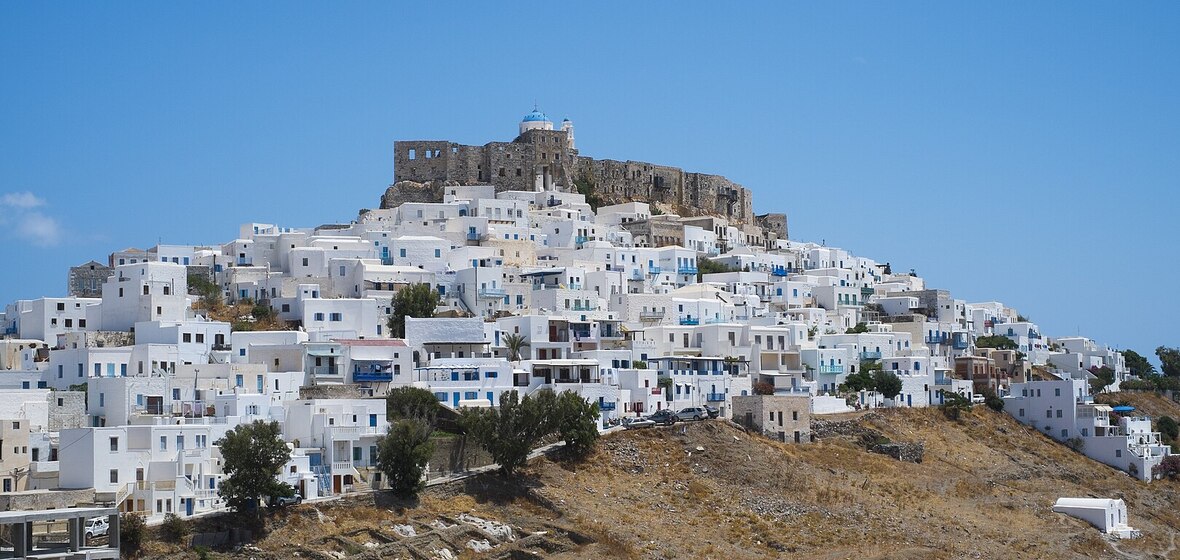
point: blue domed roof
(535, 116)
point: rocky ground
(984, 488)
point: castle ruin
(542, 158)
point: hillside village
(679, 298)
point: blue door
(372, 420)
(188, 506)
(455, 398)
(909, 400)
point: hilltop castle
(543, 158)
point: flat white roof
(10, 517)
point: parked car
(977, 398)
(282, 501)
(636, 423)
(96, 527)
(665, 417)
(712, 410)
(692, 413)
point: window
(318, 317)
(437, 253)
(1057, 392)
(200, 338)
(114, 476)
(163, 443)
(1059, 413)
(176, 394)
(304, 261)
(336, 317)
(114, 444)
(186, 337)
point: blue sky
(1022, 152)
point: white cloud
(21, 200)
(39, 229)
(20, 219)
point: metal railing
(870, 355)
(653, 270)
(651, 315)
(824, 368)
(689, 321)
(714, 397)
(686, 270)
(492, 293)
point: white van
(97, 526)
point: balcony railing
(870, 355)
(606, 405)
(341, 466)
(689, 321)
(584, 335)
(637, 274)
(472, 236)
(935, 338)
(653, 270)
(715, 397)
(371, 376)
(610, 333)
(686, 270)
(960, 343)
(325, 370)
(651, 315)
(580, 307)
(492, 293)
(580, 239)
(824, 368)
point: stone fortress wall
(545, 159)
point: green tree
(208, 292)
(132, 527)
(252, 455)
(411, 402)
(859, 328)
(514, 343)
(1138, 365)
(416, 300)
(992, 400)
(1169, 431)
(859, 381)
(402, 454)
(1103, 376)
(887, 383)
(706, 266)
(954, 404)
(510, 433)
(1169, 360)
(577, 423)
(996, 341)
(174, 528)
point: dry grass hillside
(1145, 402)
(709, 490)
